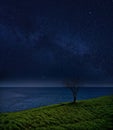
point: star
(90, 12)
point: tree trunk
(74, 100)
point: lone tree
(73, 86)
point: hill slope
(92, 114)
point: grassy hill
(92, 114)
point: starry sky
(56, 40)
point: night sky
(56, 40)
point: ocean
(21, 98)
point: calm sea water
(16, 99)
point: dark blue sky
(56, 39)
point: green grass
(92, 114)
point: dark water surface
(16, 99)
